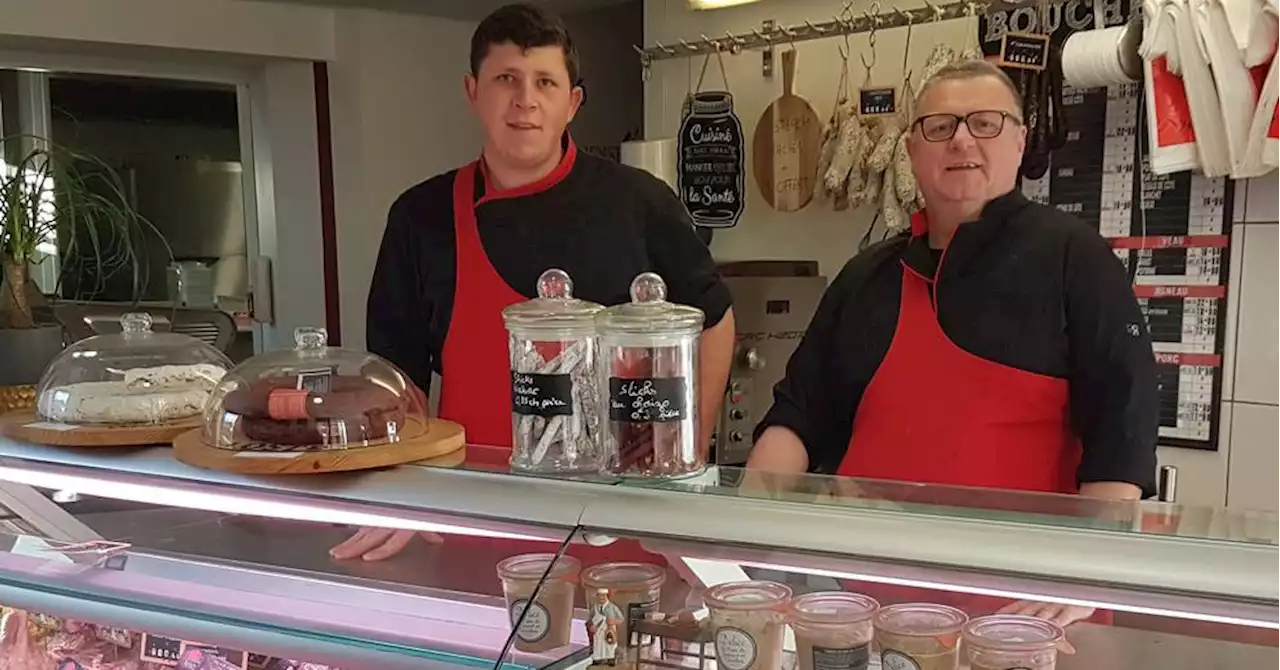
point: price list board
(1172, 232)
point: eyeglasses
(983, 124)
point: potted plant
(56, 199)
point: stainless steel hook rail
(778, 35)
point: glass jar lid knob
(648, 288)
(555, 283)
(310, 338)
(135, 322)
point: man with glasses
(998, 344)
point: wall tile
(1202, 475)
(1258, 330)
(1254, 471)
(1261, 204)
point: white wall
(1243, 472)
(399, 117)
(242, 27)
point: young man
(998, 345)
(462, 246)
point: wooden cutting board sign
(786, 146)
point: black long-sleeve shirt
(1026, 286)
(603, 223)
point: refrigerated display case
(140, 541)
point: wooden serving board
(25, 425)
(431, 441)
(787, 146)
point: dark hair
(526, 26)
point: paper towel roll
(657, 157)
(1102, 57)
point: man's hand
(1063, 615)
(378, 544)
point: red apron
(476, 385)
(935, 413)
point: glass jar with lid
(833, 629)
(649, 383)
(135, 377)
(555, 419)
(919, 636)
(1012, 642)
(749, 621)
(312, 397)
(540, 591)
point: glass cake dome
(134, 377)
(312, 397)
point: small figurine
(602, 630)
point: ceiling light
(716, 4)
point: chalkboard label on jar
(877, 101)
(163, 650)
(711, 172)
(1029, 51)
(852, 658)
(541, 395)
(662, 400)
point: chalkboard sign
(1029, 51)
(541, 395)
(162, 650)
(711, 170)
(662, 400)
(1172, 231)
(877, 101)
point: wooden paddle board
(25, 425)
(787, 146)
(425, 440)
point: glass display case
(147, 544)
(311, 397)
(133, 377)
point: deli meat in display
(275, 410)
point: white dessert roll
(144, 395)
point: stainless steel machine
(773, 302)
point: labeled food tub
(649, 382)
(555, 417)
(636, 588)
(919, 636)
(544, 621)
(833, 630)
(134, 377)
(748, 621)
(1012, 642)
